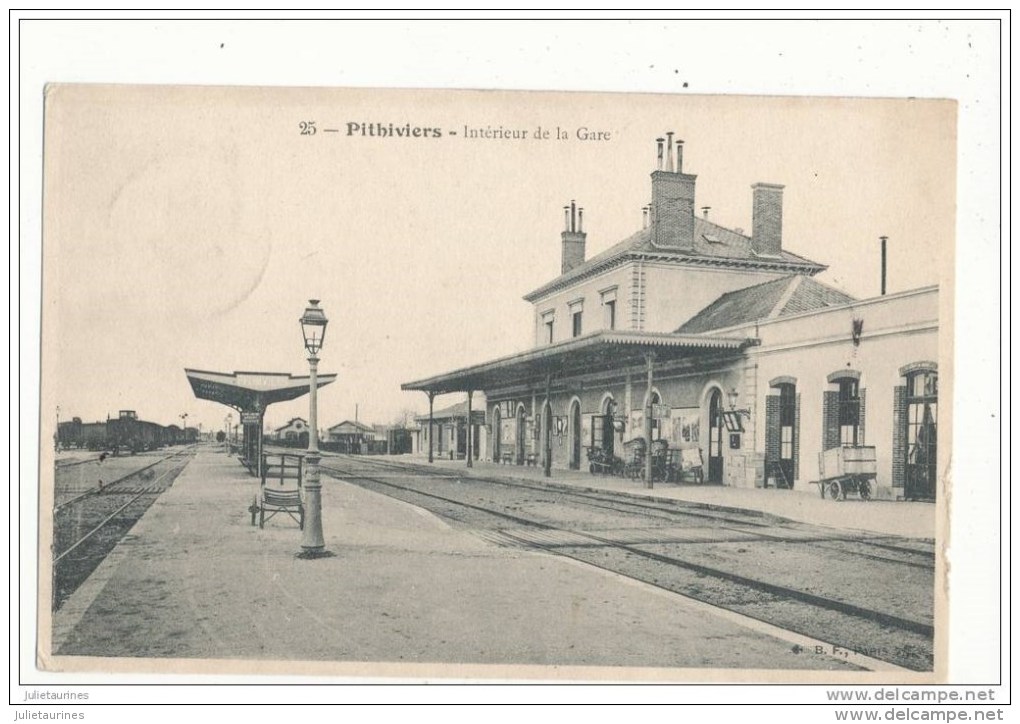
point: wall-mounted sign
(732, 421)
(686, 425)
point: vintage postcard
(496, 385)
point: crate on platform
(839, 461)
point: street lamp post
(313, 327)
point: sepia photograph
(482, 384)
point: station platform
(884, 517)
(403, 595)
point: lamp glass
(313, 326)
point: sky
(187, 227)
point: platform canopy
(251, 391)
(595, 352)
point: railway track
(916, 554)
(698, 553)
(87, 526)
(65, 494)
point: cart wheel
(864, 489)
(835, 490)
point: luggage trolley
(846, 470)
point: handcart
(634, 458)
(661, 469)
(602, 463)
(686, 465)
(847, 470)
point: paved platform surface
(907, 519)
(194, 580)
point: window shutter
(772, 437)
(899, 436)
(830, 420)
(796, 440)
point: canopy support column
(469, 451)
(432, 396)
(649, 363)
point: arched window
(922, 434)
(782, 433)
(656, 422)
(849, 412)
(843, 410)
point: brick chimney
(767, 219)
(672, 199)
(573, 238)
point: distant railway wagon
(124, 432)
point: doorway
(575, 435)
(715, 437)
(521, 435)
(922, 435)
(496, 434)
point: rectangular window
(548, 322)
(611, 315)
(609, 307)
(577, 324)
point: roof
(357, 425)
(251, 390)
(602, 350)
(291, 422)
(458, 411)
(777, 298)
(713, 245)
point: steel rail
(107, 486)
(811, 599)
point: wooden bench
(531, 459)
(277, 494)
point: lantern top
(313, 326)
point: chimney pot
(669, 151)
(573, 238)
(659, 142)
(672, 211)
(884, 239)
(679, 156)
(705, 210)
(767, 219)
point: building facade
(722, 346)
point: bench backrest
(280, 467)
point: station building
(447, 432)
(712, 340)
(351, 436)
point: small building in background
(295, 432)
(449, 432)
(350, 437)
